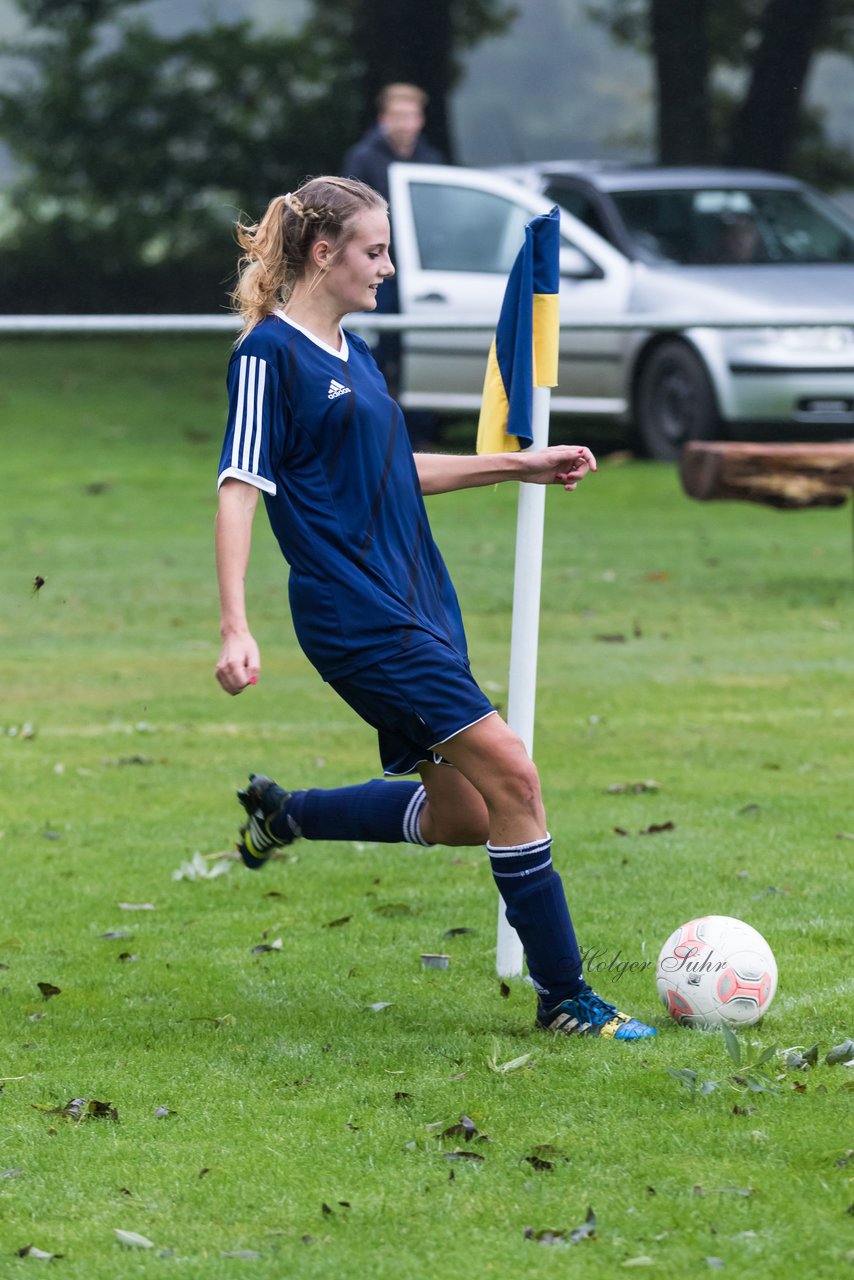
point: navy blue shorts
(415, 701)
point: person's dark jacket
(371, 156)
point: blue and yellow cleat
(589, 1015)
(264, 801)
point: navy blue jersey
(317, 432)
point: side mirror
(576, 265)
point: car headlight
(807, 337)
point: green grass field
(706, 647)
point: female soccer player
(311, 426)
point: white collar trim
(342, 354)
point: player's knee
(517, 786)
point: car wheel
(675, 401)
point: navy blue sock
(536, 908)
(387, 812)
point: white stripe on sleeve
(238, 413)
(250, 410)
(259, 412)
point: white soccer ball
(716, 971)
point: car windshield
(723, 226)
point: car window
(724, 226)
(465, 229)
(580, 205)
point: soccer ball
(716, 971)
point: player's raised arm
(558, 464)
(239, 660)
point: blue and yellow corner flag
(524, 351)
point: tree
(680, 42)
(701, 47)
(765, 127)
(139, 151)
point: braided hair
(276, 250)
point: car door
(456, 235)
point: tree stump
(788, 476)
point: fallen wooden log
(789, 476)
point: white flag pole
(524, 639)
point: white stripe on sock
(518, 850)
(412, 818)
(515, 875)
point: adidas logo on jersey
(336, 389)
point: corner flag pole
(520, 370)
(524, 642)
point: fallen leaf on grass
(116, 933)
(224, 1020)
(655, 828)
(276, 945)
(48, 989)
(30, 1251)
(132, 1239)
(544, 1157)
(797, 1061)
(400, 1096)
(137, 906)
(544, 1237)
(458, 932)
(503, 1068)
(633, 788)
(127, 956)
(336, 924)
(840, 1054)
(462, 1155)
(162, 1112)
(504, 991)
(612, 638)
(466, 1128)
(80, 1109)
(587, 1231)
(393, 909)
(379, 1005)
(199, 869)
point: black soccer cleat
(264, 800)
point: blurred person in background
(397, 135)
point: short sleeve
(254, 435)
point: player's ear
(321, 254)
